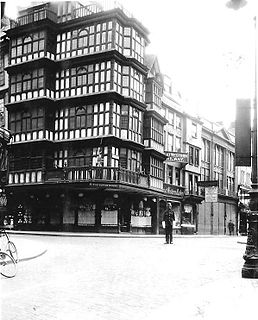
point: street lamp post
(250, 268)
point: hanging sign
(211, 194)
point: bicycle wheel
(12, 250)
(7, 265)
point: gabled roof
(151, 62)
(224, 134)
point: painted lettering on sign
(176, 156)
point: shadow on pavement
(33, 257)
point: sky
(205, 47)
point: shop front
(188, 223)
(190, 213)
(90, 211)
(87, 210)
(140, 212)
(110, 211)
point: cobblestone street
(129, 278)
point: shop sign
(95, 184)
(208, 183)
(176, 157)
(171, 190)
(211, 194)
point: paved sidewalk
(30, 249)
(110, 235)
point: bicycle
(10, 247)
(7, 265)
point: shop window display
(86, 214)
(109, 213)
(187, 224)
(140, 215)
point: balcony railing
(81, 12)
(25, 176)
(94, 8)
(36, 16)
(80, 174)
(105, 174)
(86, 11)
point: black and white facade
(99, 143)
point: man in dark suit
(169, 217)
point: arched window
(83, 39)
(27, 45)
(80, 117)
(82, 76)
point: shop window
(109, 213)
(187, 216)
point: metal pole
(212, 214)
(250, 268)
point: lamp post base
(250, 268)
